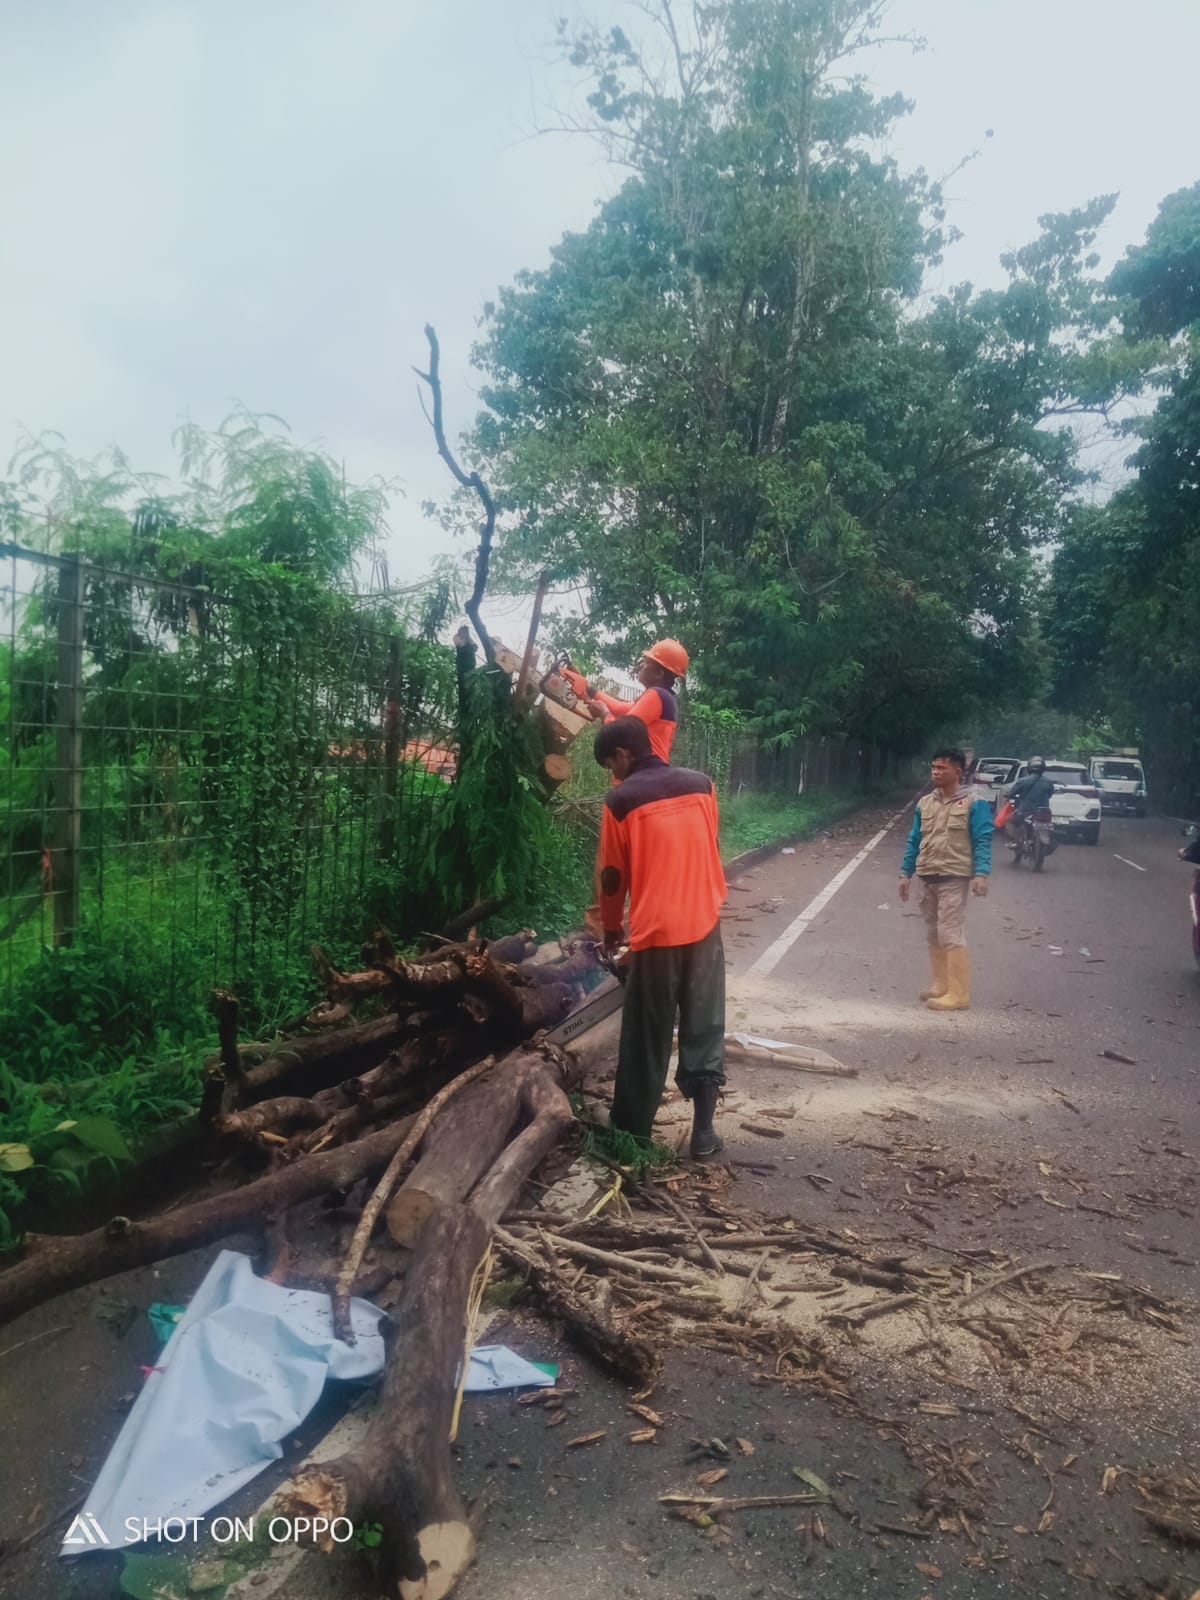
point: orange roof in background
(439, 759)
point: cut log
(315, 1058)
(461, 1146)
(546, 1005)
(383, 1193)
(514, 947)
(560, 727)
(556, 769)
(400, 1475)
(414, 1066)
(285, 1111)
(580, 967)
(439, 982)
(458, 927)
(53, 1264)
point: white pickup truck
(1121, 782)
(1075, 803)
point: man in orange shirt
(658, 848)
(661, 665)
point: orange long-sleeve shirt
(656, 708)
(658, 847)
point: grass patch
(622, 1149)
(750, 821)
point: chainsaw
(608, 997)
(567, 687)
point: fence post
(68, 757)
(391, 752)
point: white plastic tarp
(243, 1368)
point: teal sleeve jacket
(981, 841)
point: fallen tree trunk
(54, 1264)
(401, 1475)
(461, 1146)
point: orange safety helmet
(669, 653)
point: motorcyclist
(1031, 793)
(1190, 852)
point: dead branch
(468, 480)
(584, 1324)
(1002, 1280)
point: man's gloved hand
(612, 943)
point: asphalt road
(1067, 1156)
(1004, 1130)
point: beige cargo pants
(944, 907)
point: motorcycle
(1191, 852)
(1032, 837)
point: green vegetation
(730, 410)
(750, 821)
(617, 1148)
(259, 772)
(733, 411)
(1123, 611)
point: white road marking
(774, 953)
(1132, 864)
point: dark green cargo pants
(684, 980)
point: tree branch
(468, 480)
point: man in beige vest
(950, 850)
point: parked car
(1121, 781)
(1075, 803)
(997, 772)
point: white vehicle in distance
(1075, 803)
(996, 772)
(1121, 781)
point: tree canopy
(1123, 610)
(730, 410)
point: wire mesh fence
(174, 773)
(197, 786)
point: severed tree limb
(587, 1327)
(319, 1056)
(441, 981)
(458, 927)
(468, 480)
(53, 1264)
(224, 1006)
(286, 1111)
(401, 1473)
(459, 1149)
(621, 1263)
(408, 1067)
(383, 1192)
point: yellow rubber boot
(937, 966)
(958, 989)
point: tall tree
(727, 410)
(1125, 593)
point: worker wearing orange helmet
(658, 669)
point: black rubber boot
(705, 1141)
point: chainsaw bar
(602, 1002)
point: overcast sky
(205, 202)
